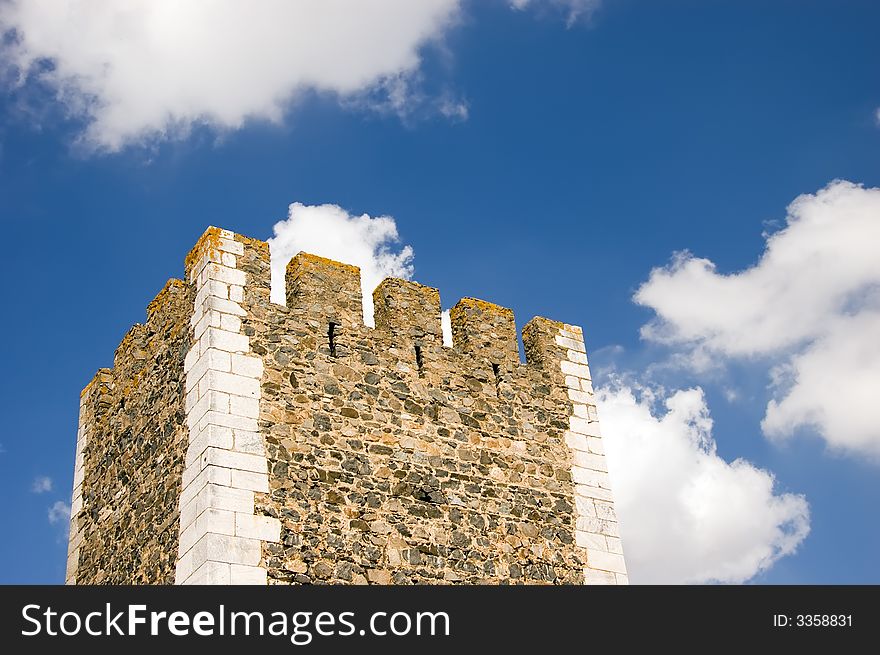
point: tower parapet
(294, 444)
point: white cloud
(687, 515)
(142, 71)
(446, 327)
(812, 301)
(151, 69)
(833, 386)
(454, 109)
(59, 512)
(574, 9)
(41, 484)
(371, 243)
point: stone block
(210, 573)
(247, 366)
(597, 559)
(246, 407)
(247, 441)
(228, 420)
(226, 274)
(590, 461)
(590, 478)
(223, 340)
(590, 541)
(247, 575)
(264, 528)
(584, 426)
(213, 496)
(258, 482)
(195, 477)
(225, 548)
(234, 385)
(596, 577)
(234, 460)
(570, 343)
(575, 369)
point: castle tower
(236, 441)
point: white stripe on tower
(597, 526)
(220, 535)
(75, 536)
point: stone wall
(318, 450)
(131, 446)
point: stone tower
(236, 441)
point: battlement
(327, 291)
(298, 445)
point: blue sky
(538, 157)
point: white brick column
(597, 526)
(75, 537)
(220, 535)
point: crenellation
(295, 445)
(486, 332)
(255, 262)
(408, 314)
(325, 290)
(409, 311)
(542, 351)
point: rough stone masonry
(237, 441)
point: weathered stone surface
(134, 458)
(367, 455)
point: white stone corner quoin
(221, 537)
(76, 502)
(597, 526)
